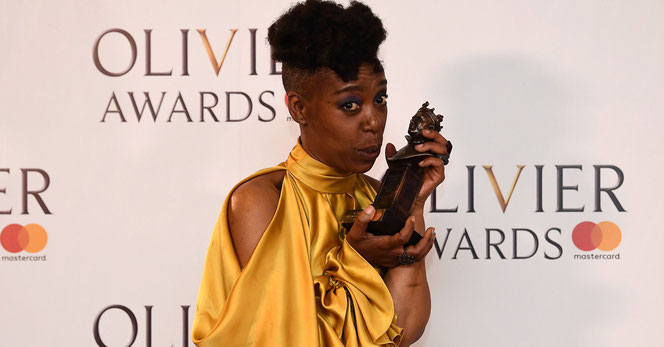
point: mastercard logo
(588, 236)
(31, 238)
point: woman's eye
(381, 99)
(350, 106)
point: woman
(280, 270)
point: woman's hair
(322, 34)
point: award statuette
(402, 181)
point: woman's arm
(408, 283)
(409, 287)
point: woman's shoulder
(262, 185)
(251, 207)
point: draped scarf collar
(317, 175)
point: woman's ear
(297, 107)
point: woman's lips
(369, 152)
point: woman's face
(345, 120)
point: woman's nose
(372, 120)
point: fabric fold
(363, 288)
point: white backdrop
(132, 204)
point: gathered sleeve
(354, 305)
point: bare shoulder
(251, 208)
(374, 182)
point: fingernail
(419, 146)
(368, 213)
(426, 131)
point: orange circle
(611, 236)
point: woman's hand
(384, 250)
(434, 168)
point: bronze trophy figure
(403, 179)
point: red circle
(12, 236)
(586, 236)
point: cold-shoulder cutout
(250, 210)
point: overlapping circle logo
(605, 236)
(31, 238)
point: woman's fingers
(431, 161)
(434, 135)
(359, 227)
(390, 150)
(385, 250)
(437, 146)
(401, 238)
(421, 248)
(431, 146)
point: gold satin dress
(303, 285)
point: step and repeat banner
(124, 124)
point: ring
(405, 258)
(446, 156)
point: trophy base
(389, 223)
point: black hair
(322, 34)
